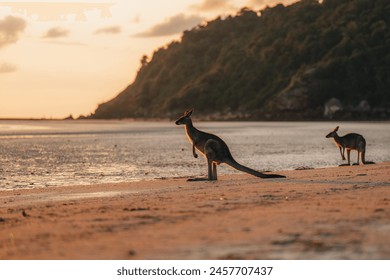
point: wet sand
(328, 213)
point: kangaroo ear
(337, 128)
(189, 112)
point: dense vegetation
(282, 62)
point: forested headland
(306, 61)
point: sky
(61, 58)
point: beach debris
(304, 168)
(132, 253)
(140, 209)
(24, 213)
(288, 239)
(232, 256)
(136, 209)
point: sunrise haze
(65, 57)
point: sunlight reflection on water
(57, 153)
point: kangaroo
(351, 141)
(214, 149)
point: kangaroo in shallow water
(351, 141)
(214, 149)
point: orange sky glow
(65, 57)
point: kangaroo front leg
(194, 151)
(342, 152)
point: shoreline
(322, 213)
(50, 154)
(151, 179)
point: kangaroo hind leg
(349, 156)
(210, 149)
(214, 170)
(363, 157)
(210, 175)
(358, 156)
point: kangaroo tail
(363, 158)
(243, 168)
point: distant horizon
(59, 59)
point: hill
(308, 60)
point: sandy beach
(325, 213)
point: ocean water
(59, 153)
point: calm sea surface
(58, 153)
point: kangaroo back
(354, 141)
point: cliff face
(279, 63)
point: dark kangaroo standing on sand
(351, 141)
(214, 149)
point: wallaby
(214, 149)
(351, 141)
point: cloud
(61, 10)
(257, 2)
(173, 25)
(56, 32)
(136, 19)
(67, 43)
(260, 4)
(7, 68)
(213, 5)
(109, 30)
(10, 29)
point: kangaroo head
(186, 118)
(333, 133)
